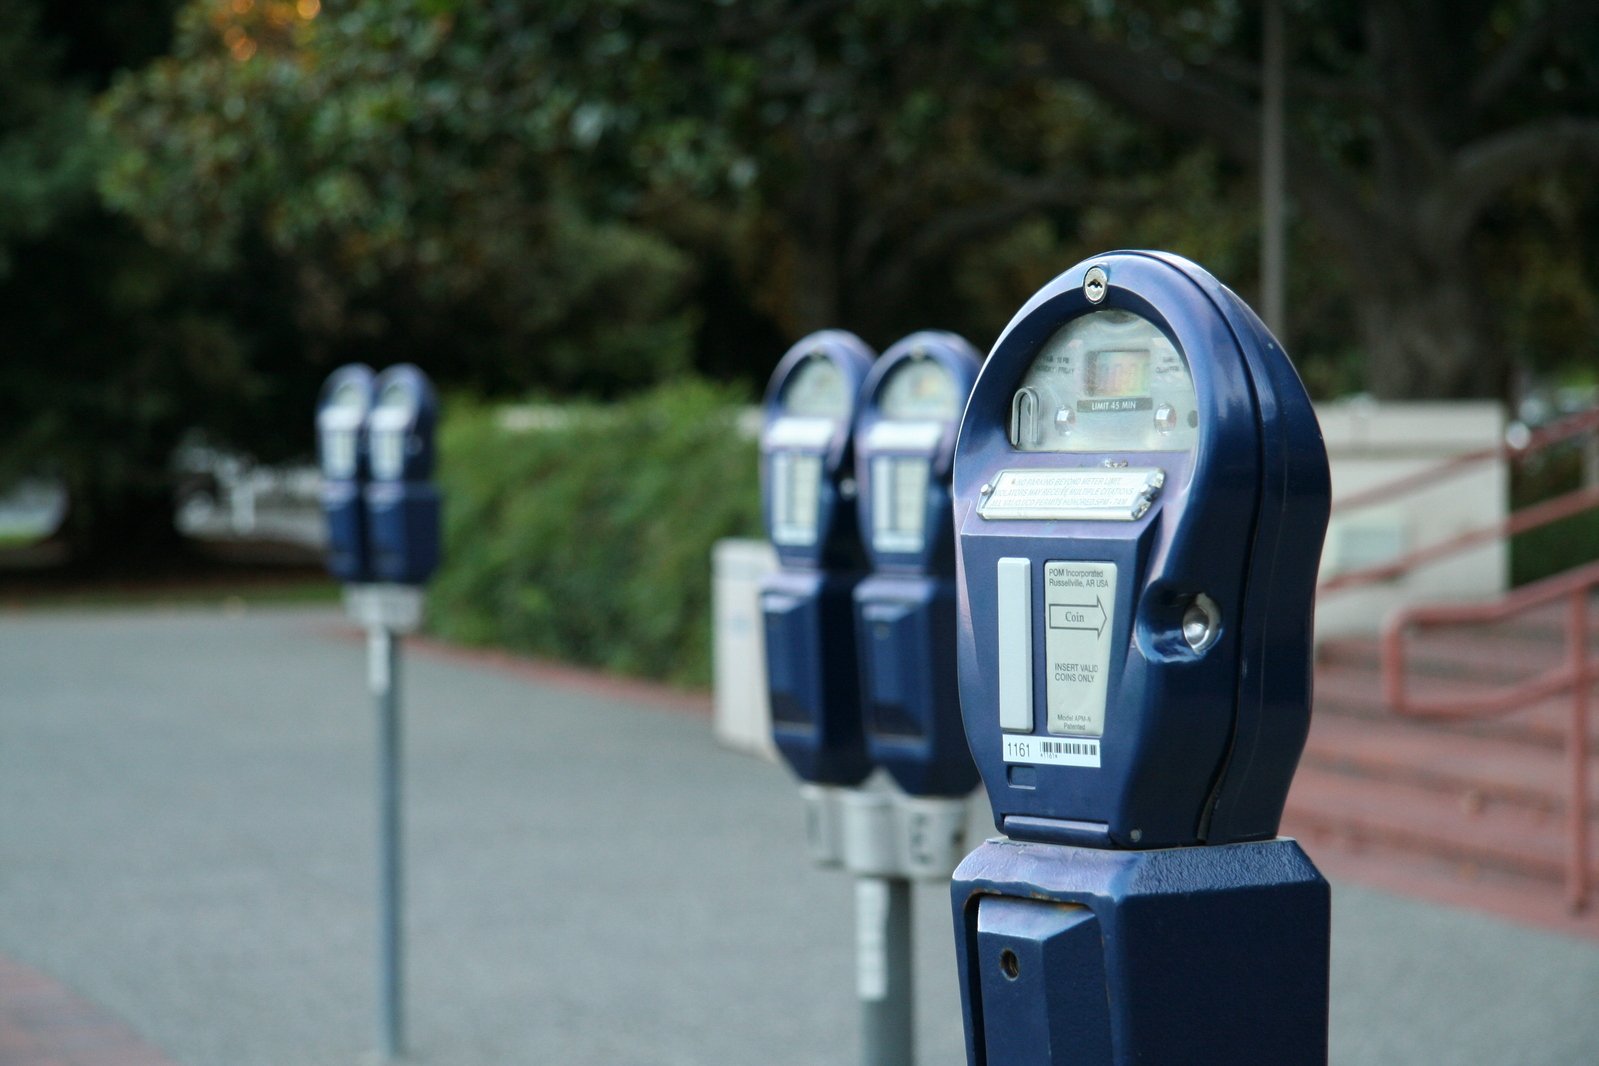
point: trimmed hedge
(587, 536)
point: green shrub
(589, 538)
(1559, 546)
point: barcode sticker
(1051, 751)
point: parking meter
(905, 611)
(808, 501)
(342, 409)
(1141, 493)
(402, 503)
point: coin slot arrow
(1061, 616)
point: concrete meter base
(1094, 956)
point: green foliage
(1559, 546)
(398, 154)
(588, 537)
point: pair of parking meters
(375, 444)
(856, 457)
(1141, 493)
(860, 630)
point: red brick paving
(44, 1023)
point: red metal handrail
(1539, 514)
(1576, 676)
(1538, 440)
(1534, 517)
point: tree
(395, 154)
(1416, 122)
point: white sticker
(892, 436)
(800, 433)
(1080, 494)
(796, 498)
(871, 939)
(1043, 750)
(899, 502)
(1079, 617)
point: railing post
(1581, 679)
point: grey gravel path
(186, 823)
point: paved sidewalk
(186, 823)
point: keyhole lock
(1095, 282)
(1201, 623)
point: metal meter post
(1141, 493)
(375, 442)
(905, 634)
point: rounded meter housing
(402, 503)
(905, 611)
(341, 414)
(1141, 495)
(808, 501)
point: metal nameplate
(1119, 495)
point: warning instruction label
(1079, 611)
(1093, 494)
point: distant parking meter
(341, 415)
(1141, 493)
(402, 503)
(905, 611)
(808, 499)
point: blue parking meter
(808, 501)
(1141, 493)
(342, 409)
(905, 611)
(402, 503)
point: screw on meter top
(806, 448)
(1141, 494)
(904, 448)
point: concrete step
(1418, 819)
(1472, 769)
(1489, 655)
(1349, 691)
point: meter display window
(919, 390)
(817, 389)
(389, 421)
(899, 502)
(796, 497)
(343, 425)
(1107, 381)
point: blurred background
(628, 210)
(597, 226)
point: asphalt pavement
(187, 841)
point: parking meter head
(342, 410)
(904, 449)
(807, 458)
(405, 411)
(808, 500)
(905, 611)
(402, 503)
(1141, 493)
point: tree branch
(1485, 168)
(1158, 88)
(1519, 52)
